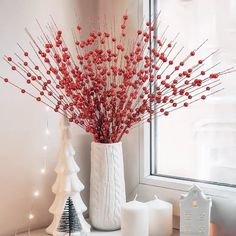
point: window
(199, 143)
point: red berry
(214, 76)
(23, 90)
(186, 104)
(139, 32)
(38, 99)
(192, 53)
(6, 80)
(125, 17)
(203, 97)
(123, 26)
(26, 54)
(186, 82)
(190, 70)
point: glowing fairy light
(47, 132)
(36, 193)
(31, 216)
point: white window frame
(172, 183)
(170, 189)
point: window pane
(199, 142)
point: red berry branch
(113, 84)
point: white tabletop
(42, 232)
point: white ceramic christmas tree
(68, 206)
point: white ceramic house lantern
(195, 210)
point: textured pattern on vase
(107, 189)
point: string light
(36, 193)
(31, 216)
(42, 171)
(47, 132)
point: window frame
(172, 183)
(170, 189)
(148, 156)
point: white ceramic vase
(107, 186)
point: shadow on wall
(81, 143)
(23, 122)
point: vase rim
(106, 144)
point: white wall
(22, 120)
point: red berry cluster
(113, 85)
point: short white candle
(160, 218)
(134, 219)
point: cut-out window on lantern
(194, 203)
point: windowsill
(42, 232)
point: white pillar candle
(134, 219)
(160, 218)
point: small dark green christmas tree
(69, 222)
